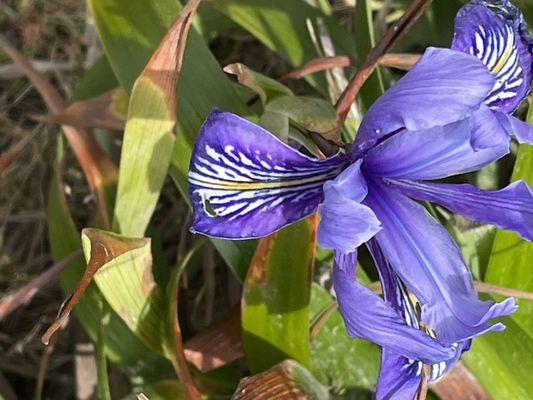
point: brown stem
(24, 295)
(399, 60)
(317, 65)
(395, 32)
(43, 368)
(502, 291)
(392, 60)
(423, 389)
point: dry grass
(51, 31)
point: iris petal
(399, 379)
(345, 223)
(245, 183)
(442, 151)
(510, 208)
(425, 257)
(444, 86)
(496, 34)
(522, 131)
(368, 316)
(399, 375)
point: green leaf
(145, 158)
(101, 361)
(502, 361)
(125, 279)
(98, 80)
(130, 31)
(121, 345)
(340, 361)
(267, 88)
(275, 306)
(277, 124)
(281, 25)
(315, 115)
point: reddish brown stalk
(100, 254)
(399, 61)
(391, 60)
(395, 32)
(43, 367)
(423, 389)
(96, 165)
(317, 65)
(11, 155)
(24, 295)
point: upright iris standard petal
(444, 86)
(368, 316)
(510, 208)
(441, 151)
(345, 223)
(245, 183)
(430, 264)
(495, 32)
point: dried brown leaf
(105, 111)
(104, 248)
(217, 346)
(287, 380)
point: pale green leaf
(315, 115)
(125, 279)
(267, 88)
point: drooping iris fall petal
(510, 208)
(245, 183)
(368, 316)
(431, 265)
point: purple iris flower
(449, 115)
